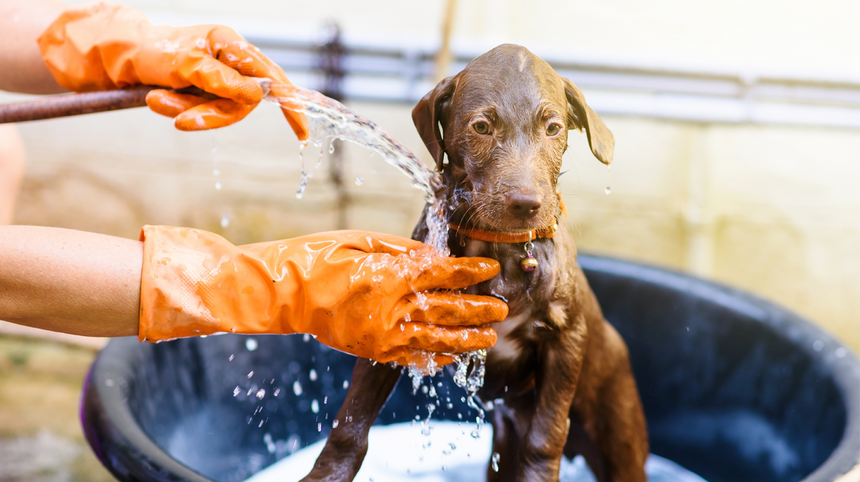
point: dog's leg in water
(510, 421)
(623, 439)
(347, 445)
(556, 377)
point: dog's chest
(528, 295)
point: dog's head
(503, 123)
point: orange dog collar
(512, 238)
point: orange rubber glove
(358, 292)
(102, 46)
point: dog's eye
(482, 128)
(553, 129)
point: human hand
(105, 46)
(363, 293)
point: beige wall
(775, 210)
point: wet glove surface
(103, 46)
(373, 295)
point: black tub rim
(110, 427)
(120, 442)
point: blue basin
(734, 388)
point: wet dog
(561, 369)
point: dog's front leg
(560, 363)
(510, 421)
(346, 446)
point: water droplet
(297, 388)
(345, 384)
(331, 146)
(402, 327)
(251, 374)
(303, 184)
(231, 357)
(306, 338)
(251, 344)
(608, 190)
(237, 391)
(359, 181)
(216, 172)
(496, 458)
(218, 186)
(225, 221)
(334, 423)
(276, 392)
(315, 406)
(319, 427)
(260, 394)
(313, 375)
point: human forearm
(70, 281)
(21, 66)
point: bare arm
(70, 281)
(21, 66)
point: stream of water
(329, 120)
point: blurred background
(737, 127)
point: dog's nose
(523, 205)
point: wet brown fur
(561, 369)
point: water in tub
(430, 450)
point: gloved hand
(361, 293)
(103, 46)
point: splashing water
(472, 382)
(328, 120)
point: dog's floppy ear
(580, 116)
(430, 111)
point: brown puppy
(561, 369)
